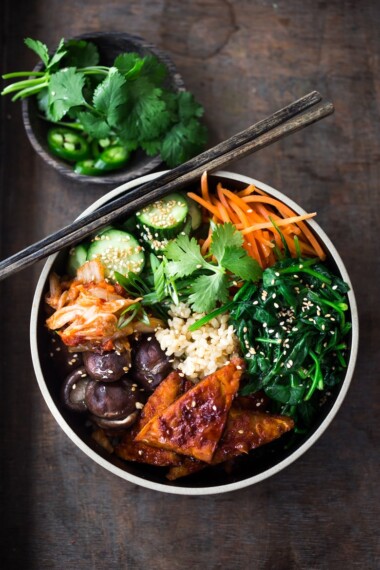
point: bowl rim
(172, 489)
(153, 162)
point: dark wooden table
(242, 59)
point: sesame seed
(139, 405)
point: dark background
(242, 59)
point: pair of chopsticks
(281, 124)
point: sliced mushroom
(74, 389)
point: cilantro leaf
(182, 142)
(237, 260)
(94, 125)
(65, 91)
(43, 102)
(207, 290)
(188, 107)
(58, 55)
(153, 70)
(152, 148)
(222, 236)
(129, 64)
(144, 117)
(130, 145)
(39, 48)
(80, 53)
(186, 257)
(109, 95)
(171, 101)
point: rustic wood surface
(243, 60)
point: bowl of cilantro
(220, 320)
(105, 108)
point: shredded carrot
(204, 187)
(205, 204)
(283, 222)
(254, 213)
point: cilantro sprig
(128, 102)
(227, 262)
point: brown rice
(199, 353)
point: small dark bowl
(110, 45)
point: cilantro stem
(29, 91)
(94, 71)
(19, 85)
(23, 74)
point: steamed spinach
(292, 330)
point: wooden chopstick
(282, 123)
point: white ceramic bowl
(253, 471)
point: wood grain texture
(242, 59)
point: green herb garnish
(214, 278)
(127, 102)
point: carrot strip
(207, 205)
(204, 187)
(241, 202)
(265, 214)
(247, 191)
(313, 241)
(225, 203)
(223, 212)
(279, 222)
(206, 244)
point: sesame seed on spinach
(292, 330)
